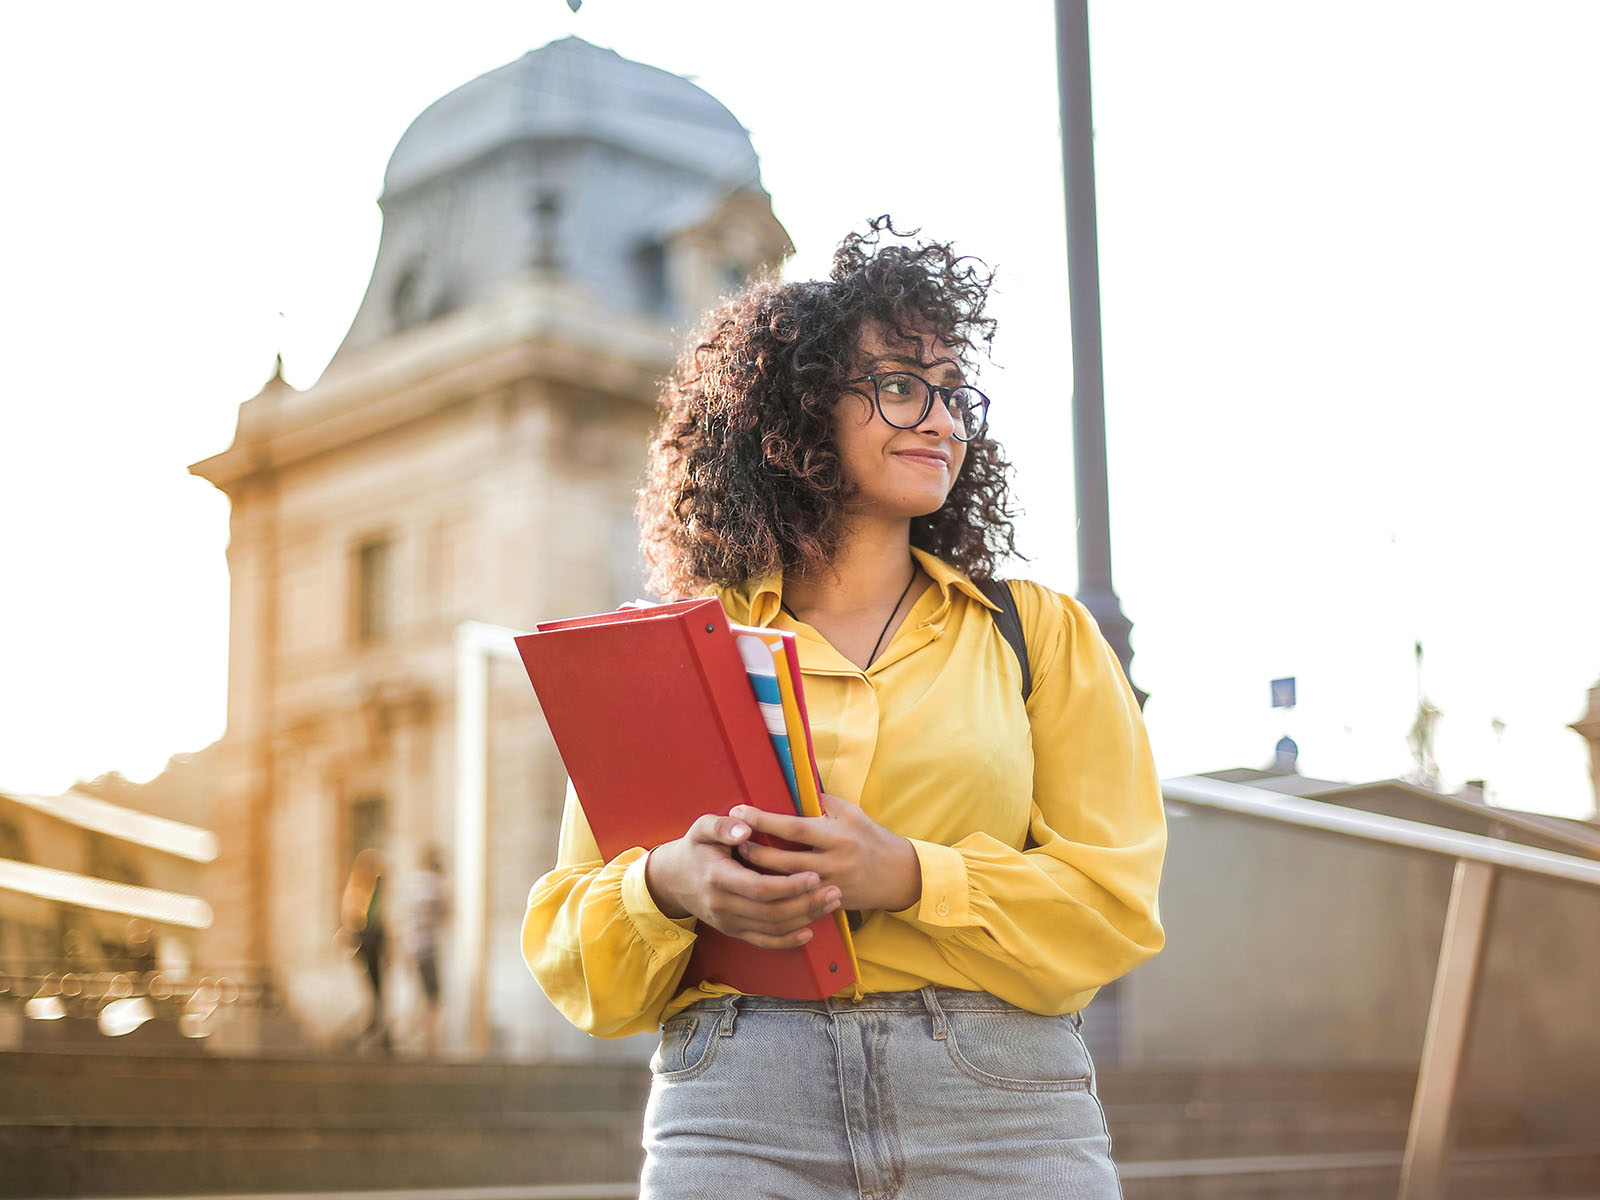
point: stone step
(89, 1082)
(549, 1157)
(564, 1191)
(91, 1086)
(1515, 1172)
(1353, 1175)
(1217, 1130)
(1202, 1084)
(98, 1124)
(1499, 1174)
(159, 1158)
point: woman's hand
(872, 867)
(698, 875)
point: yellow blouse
(1040, 831)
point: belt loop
(730, 1011)
(941, 1025)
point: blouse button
(943, 910)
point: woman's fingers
(807, 831)
(744, 918)
(721, 831)
(765, 941)
(771, 907)
(839, 807)
(731, 875)
(770, 858)
(781, 916)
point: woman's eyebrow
(951, 370)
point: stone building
(471, 453)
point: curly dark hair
(744, 477)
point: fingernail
(805, 936)
(739, 831)
(833, 905)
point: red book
(657, 725)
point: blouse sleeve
(604, 954)
(1046, 925)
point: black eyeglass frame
(934, 392)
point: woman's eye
(895, 385)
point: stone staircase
(99, 1124)
(1338, 1133)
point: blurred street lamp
(123, 1012)
(47, 1004)
(1088, 379)
(203, 1003)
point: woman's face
(898, 473)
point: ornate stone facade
(471, 453)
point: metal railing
(122, 995)
(1477, 859)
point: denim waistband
(928, 1000)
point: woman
(822, 467)
(361, 916)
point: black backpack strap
(1009, 621)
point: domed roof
(576, 165)
(571, 89)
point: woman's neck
(868, 570)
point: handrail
(1425, 1163)
(1246, 801)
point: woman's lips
(929, 459)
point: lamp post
(1083, 288)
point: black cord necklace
(871, 658)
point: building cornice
(534, 329)
(124, 824)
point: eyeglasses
(904, 400)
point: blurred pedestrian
(426, 909)
(361, 914)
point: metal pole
(1455, 990)
(1083, 285)
(476, 643)
(472, 838)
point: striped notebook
(771, 660)
(761, 664)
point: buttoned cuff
(666, 936)
(944, 907)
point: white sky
(1349, 261)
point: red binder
(657, 725)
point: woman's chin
(908, 510)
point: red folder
(657, 725)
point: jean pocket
(1019, 1052)
(687, 1046)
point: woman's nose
(939, 418)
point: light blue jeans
(929, 1095)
